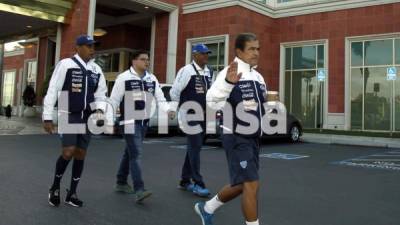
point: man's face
(86, 52)
(201, 58)
(251, 53)
(142, 62)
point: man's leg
(122, 175)
(134, 143)
(61, 166)
(77, 168)
(186, 174)
(250, 201)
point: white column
(152, 43)
(58, 43)
(92, 17)
(172, 45)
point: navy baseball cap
(85, 40)
(200, 48)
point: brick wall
(79, 17)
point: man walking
(191, 84)
(136, 80)
(83, 81)
(239, 85)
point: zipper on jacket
(259, 105)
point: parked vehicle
(294, 128)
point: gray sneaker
(124, 188)
(141, 195)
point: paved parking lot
(301, 184)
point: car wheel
(294, 133)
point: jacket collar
(243, 66)
(134, 73)
(199, 68)
(83, 62)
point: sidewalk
(20, 126)
(351, 140)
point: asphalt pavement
(301, 184)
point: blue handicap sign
(321, 74)
(391, 73)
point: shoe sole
(201, 195)
(140, 200)
(125, 192)
(72, 204)
(197, 210)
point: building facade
(334, 63)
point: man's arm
(222, 87)
(55, 85)
(100, 95)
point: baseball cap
(85, 40)
(200, 48)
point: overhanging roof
(52, 10)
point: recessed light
(29, 26)
(146, 7)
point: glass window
(397, 103)
(356, 54)
(8, 88)
(109, 62)
(304, 57)
(216, 59)
(356, 98)
(397, 51)
(321, 56)
(288, 58)
(304, 83)
(31, 69)
(378, 52)
(288, 87)
(377, 99)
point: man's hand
(48, 127)
(171, 115)
(232, 75)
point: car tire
(294, 133)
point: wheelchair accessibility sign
(283, 156)
(391, 73)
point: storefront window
(378, 52)
(217, 60)
(397, 102)
(8, 88)
(304, 57)
(357, 98)
(377, 99)
(357, 54)
(109, 62)
(31, 70)
(304, 92)
(397, 48)
(372, 93)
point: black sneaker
(54, 197)
(73, 200)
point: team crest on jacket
(243, 164)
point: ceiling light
(29, 26)
(146, 7)
(98, 32)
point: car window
(165, 90)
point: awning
(52, 10)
